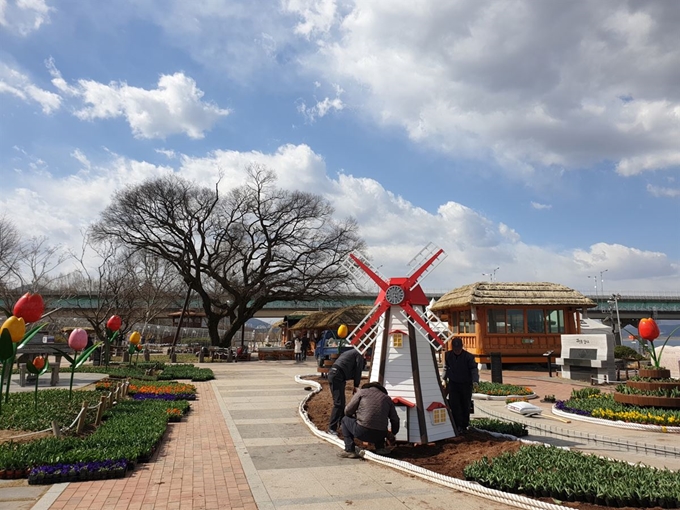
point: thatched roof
(512, 294)
(351, 316)
(310, 321)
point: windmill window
(397, 340)
(439, 416)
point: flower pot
(652, 385)
(655, 373)
(647, 401)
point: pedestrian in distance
(460, 369)
(305, 346)
(347, 367)
(298, 349)
(366, 418)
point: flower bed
(79, 471)
(603, 406)
(145, 390)
(541, 471)
(186, 372)
(489, 390)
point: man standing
(347, 367)
(373, 408)
(461, 371)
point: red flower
(648, 329)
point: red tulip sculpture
(13, 335)
(648, 330)
(77, 341)
(37, 367)
(112, 330)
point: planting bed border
(484, 396)
(453, 483)
(620, 424)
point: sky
(532, 141)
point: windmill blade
(359, 267)
(364, 334)
(423, 263)
(416, 319)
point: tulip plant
(37, 367)
(13, 335)
(135, 346)
(649, 330)
(77, 341)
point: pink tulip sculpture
(77, 341)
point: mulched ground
(448, 457)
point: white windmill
(405, 340)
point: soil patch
(448, 457)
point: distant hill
(257, 324)
(665, 328)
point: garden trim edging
(484, 396)
(618, 423)
(453, 483)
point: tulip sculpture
(135, 346)
(13, 335)
(38, 367)
(112, 331)
(649, 330)
(77, 341)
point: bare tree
(257, 244)
(25, 264)
(112, 279)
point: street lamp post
(617, 337)
(602, 281)
(596, 294)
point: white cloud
(539, 206)
(322, 108)
(19, 85)
(176, 106)
(23, 16)
(317, 16)
(533, 84)
(170, 154)
(395, 230)
(659, 191)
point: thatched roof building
(331, 319)
(520, 320)
(512, 294)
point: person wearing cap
(460, 369)
(347, 367)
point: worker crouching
(366, 418)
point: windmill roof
(512, 293)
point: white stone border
(454, 483)
(484, 396)
(618, 423)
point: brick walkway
(196, 468)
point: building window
(439, 416)
(465, 322)
(535, 321)
(515, 321)
(555, 321)
(495, 321)
(397, 340)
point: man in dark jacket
(347, 367)
(461, 372)
(372, 407)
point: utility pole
(602, 282)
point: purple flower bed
(96, 470)
(164, 396)
(560, 405)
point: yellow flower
(16, 328)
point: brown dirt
(448, 457)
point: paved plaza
(244, 446)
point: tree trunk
(213, 323)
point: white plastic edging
(618, 424)
(484, 396)
(454, 483)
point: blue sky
(537, 137)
